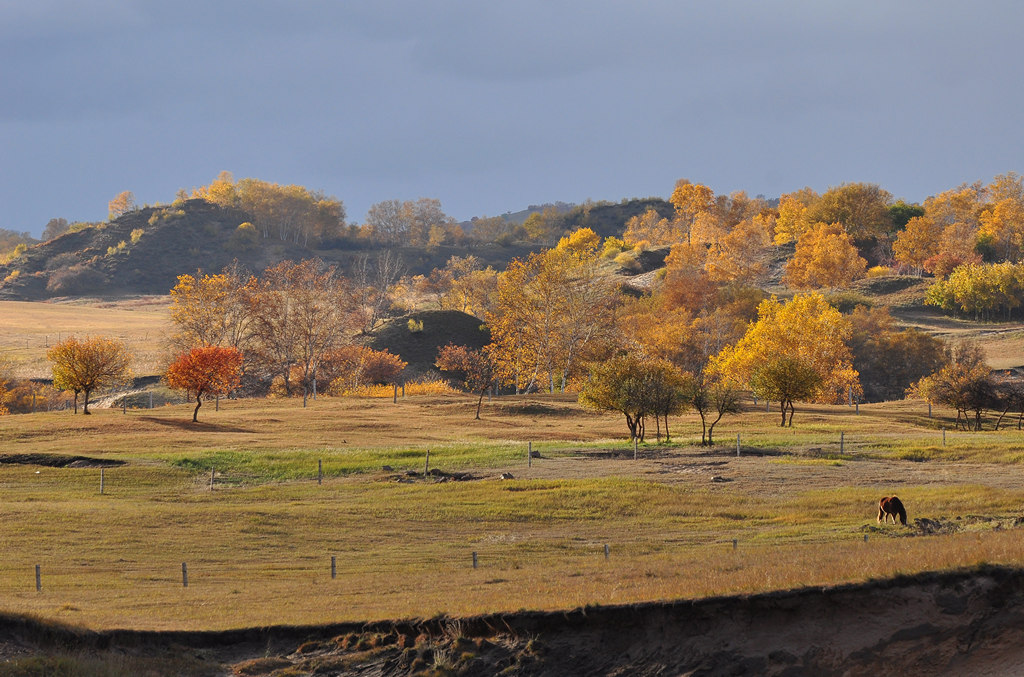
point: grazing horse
(891, 506)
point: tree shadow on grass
(187, 424)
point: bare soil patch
(59, 461)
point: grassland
(27, 329)
(259, 545)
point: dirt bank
(965, 622)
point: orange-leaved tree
(794, 352)
(83, 366)
(825, 257)
(210, 370)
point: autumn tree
(287, 212)
(825, 258)
(794, 352)
(690, 201)
(861, 208)
(213, 309)
(304, 310)
(887, 358)
(551, 311)
(918, 243)
(739, 255)
(122, 204)
(636, 386)
(373, 281)
(205, 371)
(794, 215)
(963, 383)
(407, 222)
(652, 228)
(350, 366)
(84, 366)
(475, 369)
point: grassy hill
(144, 251)
(419, 347)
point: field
(794, 509)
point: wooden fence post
(474, 559)
(529, 454)
(737, 444)
(426, 467)
(606, 552)
(39, 579)
(319, 471)
(334, 567)
(184, 575)
(101, 481)
(841, 441)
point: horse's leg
(880, 513)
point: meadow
(680, 521)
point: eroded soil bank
(964, 622)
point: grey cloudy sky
(493, 106)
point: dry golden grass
(28, 329)
(258, 546)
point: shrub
(137, 235)
(415, 326)
(878, 271)
(628, 261)
(13, 276)
(245, 237)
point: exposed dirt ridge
(962, 622)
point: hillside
(144, 251)
(419, 348)
(141, 252)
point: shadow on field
(198, 427)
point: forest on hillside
(568, 314)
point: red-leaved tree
(211, 370)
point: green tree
(636, 386)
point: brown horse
(891, 506)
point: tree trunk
(480, 402)
(667, 438)
(76, 406)
(657, 425)
(85, 402)
(199, 403)
(782, 406)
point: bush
(245, 237)
(415, 326)
(137, 235)
(878, 271)
(628, 261)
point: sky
(490, 107)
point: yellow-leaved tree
(795, 351)
(825, 257)
(551, 312)
(90, 364)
